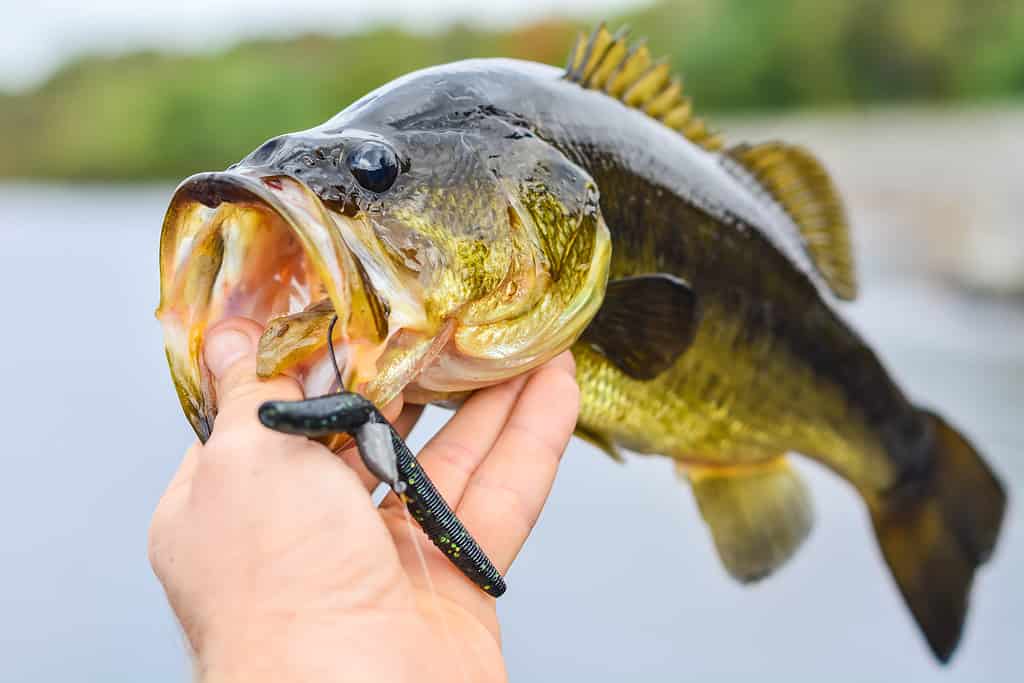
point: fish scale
(512, 210)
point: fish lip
(185, 322)
(213, 188)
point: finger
(230, 355)
(453, 454)
(505, 495)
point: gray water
(629, 590)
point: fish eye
(374, 165)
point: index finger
(505, 495)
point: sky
(36, 37)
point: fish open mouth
(267, 249)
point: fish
(468, 222)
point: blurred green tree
(150, 115)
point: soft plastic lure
(388, 457)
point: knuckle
(241, 432)
(253, 390)
(226, 438)
(537, 441)
(510, 504)
(156, 540)
(459, 456)
(246, 391)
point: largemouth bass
(468, 222)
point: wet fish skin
(525, 189)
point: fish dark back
(673, 208)
(769, 366)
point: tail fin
(935, 536)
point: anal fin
(759, 514)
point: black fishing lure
(388, 457)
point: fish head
(456, 252)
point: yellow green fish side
(767, 366)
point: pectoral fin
(645, 324)
(759, 514)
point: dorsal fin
(801, 185)
(609, 63)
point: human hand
(279, 567)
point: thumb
(230, 354)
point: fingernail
(223, 348)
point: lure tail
(934, 534)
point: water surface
(620, 581)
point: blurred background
(917, 106)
